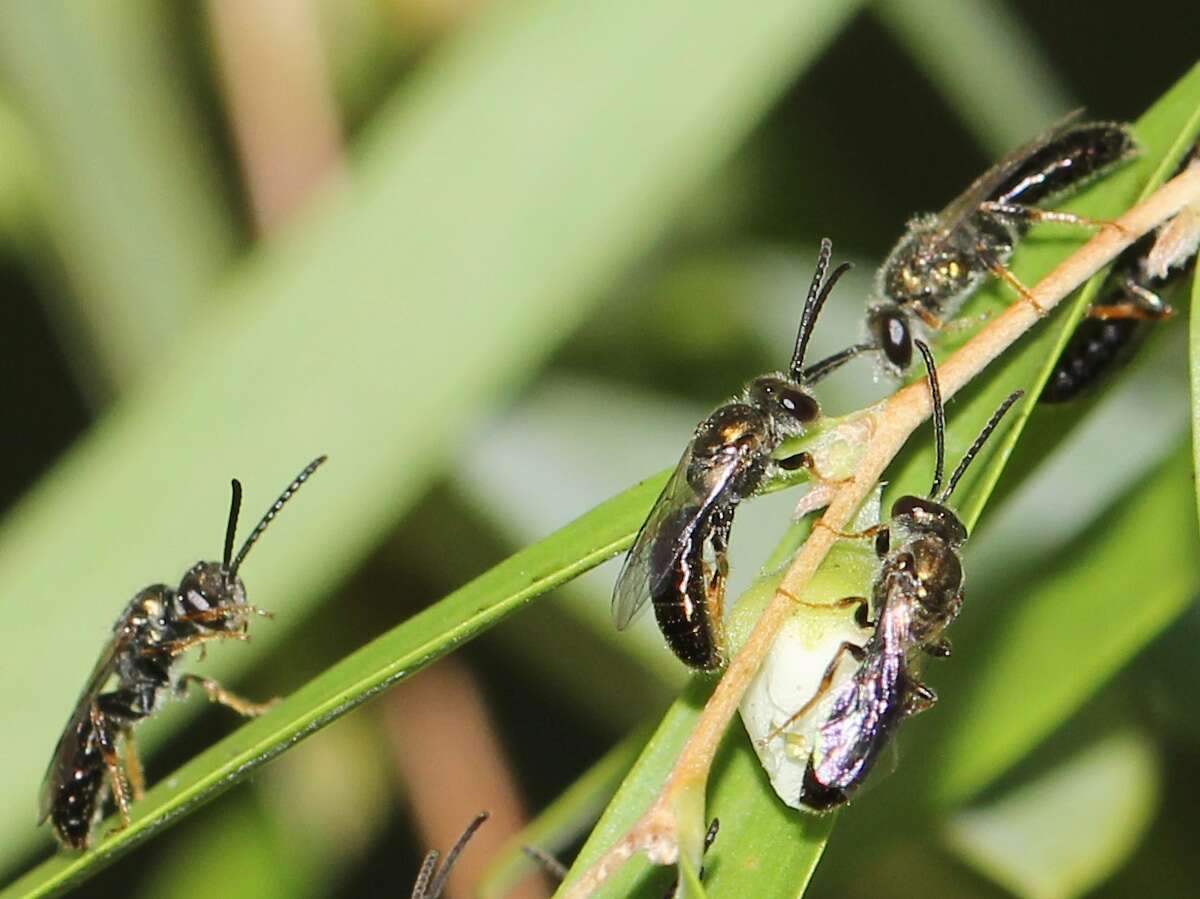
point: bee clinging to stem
(943, 258)
(679, 558)
(916, 594)
(158, 626)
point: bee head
(887, 325)
(208, 585)
(789, 406)
(926, 516)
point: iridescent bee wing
(985, 187)
(68, 743)
(676, 514)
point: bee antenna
(939, 418)
(818, 293)
(439, 882)
(980, 441)
(273, 511)
(235, 506)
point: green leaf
(527, 161)
(1063, 834)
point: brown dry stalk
(893, 422)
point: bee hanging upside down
(158, 626)
(917, 594)
(679, 558)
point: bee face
(789, 405)
(207, 585)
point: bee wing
(677, 512)
(984, 187)
(68, 742)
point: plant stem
(655, 833)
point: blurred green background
(496, 259)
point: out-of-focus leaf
(985, 63)
(530, 158)
(1051, 644)
(1066, 832)
(563, 821)
(137, 210)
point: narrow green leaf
(525, 163)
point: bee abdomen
(1067, 162)
(77, 797)
(1097, 347)
(685, 619)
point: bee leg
(919, 698)
(133, 766)
(860, 604)
(930, 320)
(176, 647)
(1001, 271)
(108, 752)
(1142, 304)
(219, 694)
(1030, 215)
(855, 651)
(868, 534)
(939, 648)
(225, 613)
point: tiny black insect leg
(219, 694)
(919, 698)
(867, 534)
(856, 651)
(860, 604)
(103, 730)
(552, 866)
(133, 766)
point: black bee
(430, 880)
(917, 594)
(679, 559)
(157, 627)
(943, 258)
(1115, 323)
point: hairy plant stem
(657, 831)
